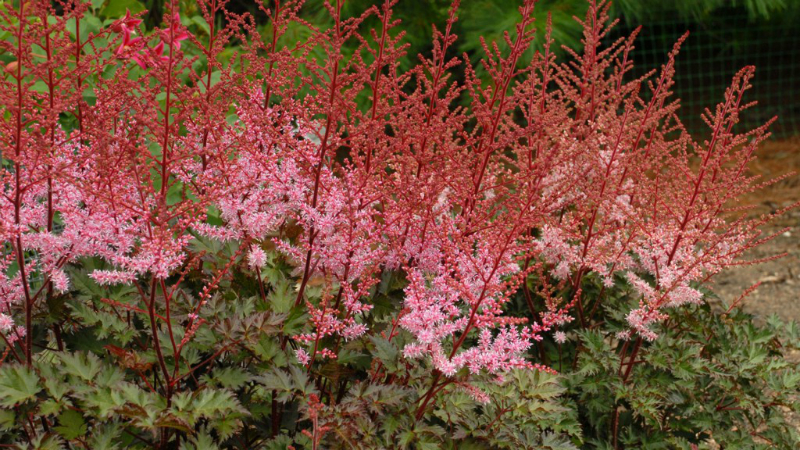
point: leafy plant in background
(703, 11)
(221, 235)
(486, 18)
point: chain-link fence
(715, 50)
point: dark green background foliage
(726, 35)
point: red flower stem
(377, 75)
(632, 359)
(151, 312)
(703, 167)
(50, 96)
(471, 321)
(10, 347)
(79, 78)
(18, 192)
(275, 26)
(320, 164)
(209, 50)
(508, 75)
(433, 103)
(167, 301)
(427, 397)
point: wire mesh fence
(715, 51)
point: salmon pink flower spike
(175, 33)
(6, 323)
(149, 56)
(139, 58)
(158, 52)
(127, 23)
(128, 45)
(257, 258)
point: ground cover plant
(216, 237)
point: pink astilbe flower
(353, 331)
(302, 356)
(357, 177)
(148, 57)
(256, 258)
(127, 23)
(175, 33)
(6, 323)
(59, 280)
(476, 394)
(129, 47)
(38, 158)
(137, 50)
(111, 277)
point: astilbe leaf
(19, 385)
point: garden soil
(779, 291)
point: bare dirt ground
(779, 292)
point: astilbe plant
(239, 230)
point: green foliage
(709, 376)
(522, 411)
(18, 384)
(117, 8)
(491, 18)
(701, 11)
